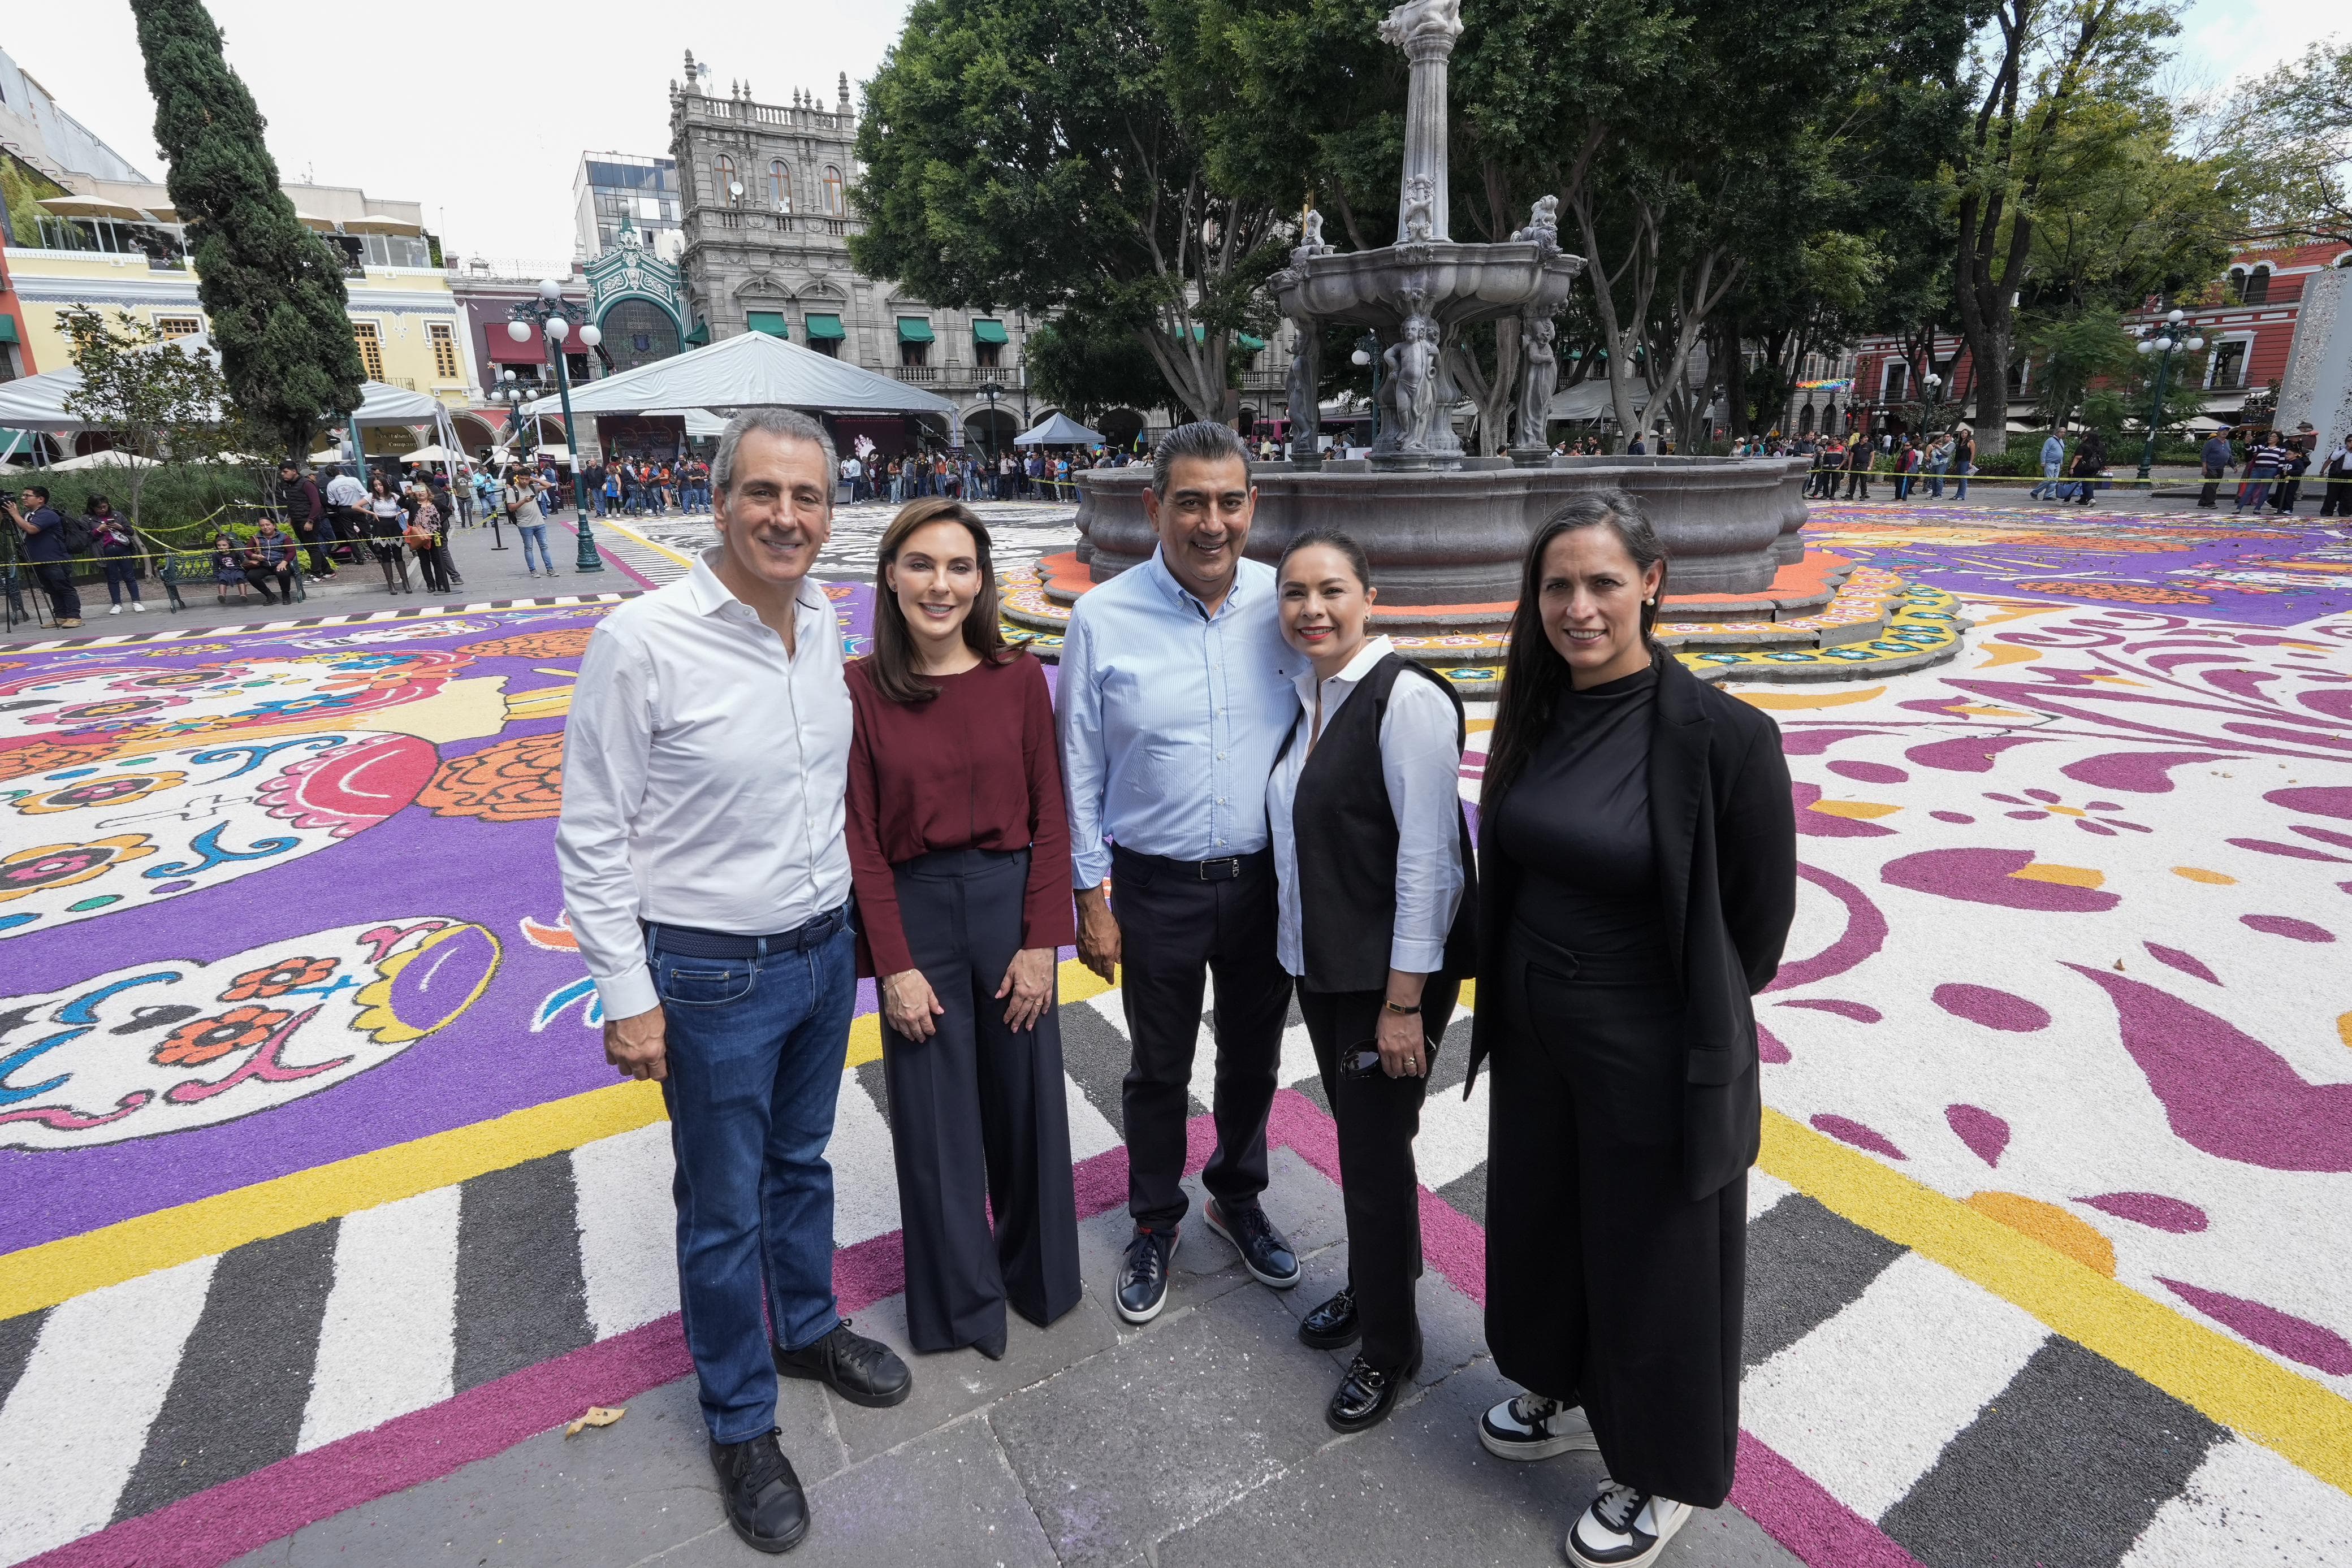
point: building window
(2229, 365)
(833, 202)
(370, 348)
(2258, 285)
(780, 186)
(445, 349)
(987, 356)
(1899, 377)
(722, 176)
(173, 328)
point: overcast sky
(433, 104)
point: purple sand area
(495, 873)
(2258, 569)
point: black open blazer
(1725, 837)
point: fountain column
(1426, 30)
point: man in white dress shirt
(706, 764)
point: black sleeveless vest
(1347, 836)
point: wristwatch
(1401, 1010)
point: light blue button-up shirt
(1170, 717)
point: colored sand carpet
(314, 1184)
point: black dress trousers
(978, 1117)
(1379, 1117)
(1605, 1286)
(1176, 929)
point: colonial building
(764, 193)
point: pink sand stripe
(218, 1525)
(1797, 1512)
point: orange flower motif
(51, 757)
(201, 1040)
(569, 643)
(518, 780)
(277, 980)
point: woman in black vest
(1640, 854)
(1372, 856)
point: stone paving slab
(1195, 1439)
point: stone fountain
(1446, 530)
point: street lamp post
(2164, 341)
(1367, 352)
(548, 313)
(991, 391)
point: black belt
(1226, 868)
(688, 942)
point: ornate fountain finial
(1543, 224)
(1423, 19)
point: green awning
(1250, 343)
(699, 336)
(984, 330)
(914, 329)
(820, 327)
(8, 329)
(771, 322)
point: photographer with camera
(44, 546)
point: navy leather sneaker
(1265, 1251)
(1143, 1275)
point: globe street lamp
(2164, 341)
(991, 391)
(548, 313)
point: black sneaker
(1143, 1275)
(1332, 1326)
(862, 1371)
(1624, 1529)
(762, 1496)
(1265, 1251)
(1366, 1395)
(1534, 1427)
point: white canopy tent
(751, 370)
(1061, 429)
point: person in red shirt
(959, 853)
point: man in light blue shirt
(2053, 462)
(1174, 696)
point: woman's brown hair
(892, 659)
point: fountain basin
(1457, 284)
(1456, 536)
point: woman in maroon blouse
(962, 858)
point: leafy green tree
(1051, 155)
(2286, 137)
(1086, 368)
(156, 398)
(272, 289)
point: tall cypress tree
(273, 289)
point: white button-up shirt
(1169, 717)
(1421, 765)
(703, 775)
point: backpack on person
(74, 533)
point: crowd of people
(1236, 777)
(970, 474)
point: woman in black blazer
(1638, 859)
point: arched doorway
(1120, 428)
(474, 432)
(638, 332)
(991, 432)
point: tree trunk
(1735, 378)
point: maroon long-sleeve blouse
(975, 767)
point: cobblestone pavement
(319, 1214)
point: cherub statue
(1420, 221)
(1311, 237)
(1543, 223)
(1415, 18)
(1539, 378)
(1411, 391)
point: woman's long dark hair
(892, 659)
(1534, 674)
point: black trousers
(1379, 1118)
(978, 1117)
(1175, 930)
(65, 599)
(2336, 496)
(2205, 494)
(1605, 1286)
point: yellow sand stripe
(2239, 1387)
(631, 534)
(60, 1271)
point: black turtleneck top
(1577, 822)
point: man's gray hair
(789, 423)
(1202, 440)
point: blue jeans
(756, 1046)
(536, 534)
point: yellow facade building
(409, 327)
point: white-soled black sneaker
(1535, 1427)
(1624, 1529)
